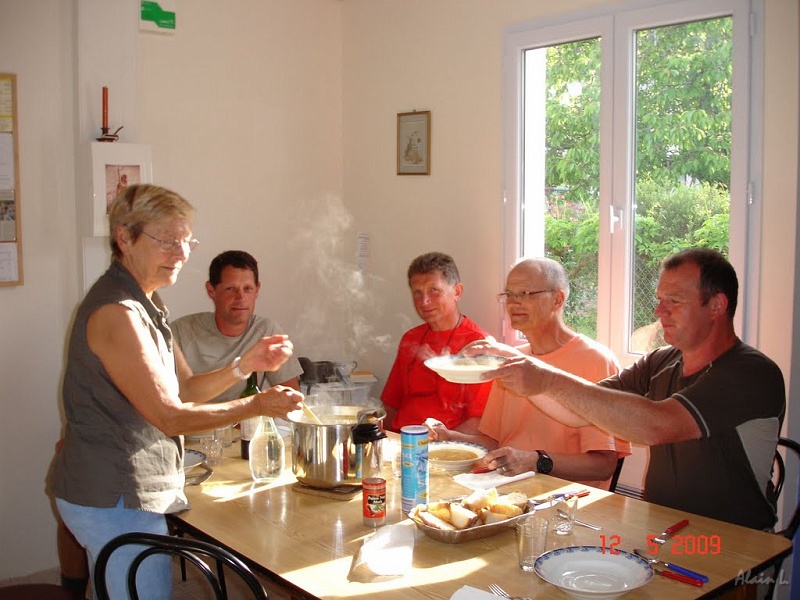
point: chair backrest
(791, 529)
(189, 549)
(615, 477)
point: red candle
(105, 107)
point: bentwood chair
(790, 531)
(615, 477)
(190, 550)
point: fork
(498, 591)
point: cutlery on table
(678, 576)
(563, 515)
(198, 479)
(498, 591)
(669, 565)
(670, 531)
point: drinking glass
(531, 541)
(212, 446)
(565, 509)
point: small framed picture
(414, 143)
(115, 167)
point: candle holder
(109, 137)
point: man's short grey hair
(555, 275)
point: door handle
(614, 218)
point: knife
(684, 571)
(670, 531)
(678, 576)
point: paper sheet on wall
(6, 105)
(6, 162)
(9, 270)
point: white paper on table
(484, 481)
(386, 553)
(470, 593)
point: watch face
(544, 464)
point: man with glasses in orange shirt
(519, 435)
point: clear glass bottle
(267, 451)
(248, 426)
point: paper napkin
(386, 553)
(470, 593)
(484, 481)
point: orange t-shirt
(514, 421)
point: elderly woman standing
(128, 392)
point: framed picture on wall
(115, 167)
(414, 143)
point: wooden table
(306, 544)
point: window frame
(616, 27)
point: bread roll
(433, 521)
(480, 499)
(516, 498)
(461, 517)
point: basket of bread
(481, 514)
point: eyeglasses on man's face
(519, 296)
(174, 246)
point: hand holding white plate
(463, 369)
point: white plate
(192, 458)
(462, 369)
(592, 573)
(455, 465)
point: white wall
(278, 121)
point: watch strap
(237, 372)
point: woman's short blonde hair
(141, 204)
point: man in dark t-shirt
(709, 406)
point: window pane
(682, 154)
(560, 215)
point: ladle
(655, 560)
(310, 414)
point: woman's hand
(277, 401)
(268, 354)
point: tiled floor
(195, 588)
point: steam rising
(337, 308)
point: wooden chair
(190, 550)
(615, 477)
(790, 531)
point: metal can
(414, 470)
(373, 501)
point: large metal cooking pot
(324, 456)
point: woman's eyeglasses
(174, 246)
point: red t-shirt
(418, 393)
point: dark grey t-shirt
(109, 449)
(738, 402)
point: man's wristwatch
(545, 464)
(237, 372)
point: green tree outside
(683, 142)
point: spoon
(310, 414)
(686, 572)
(564, 515)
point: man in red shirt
(413, 392)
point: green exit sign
(157, 16)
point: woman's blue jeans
(95, 527)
